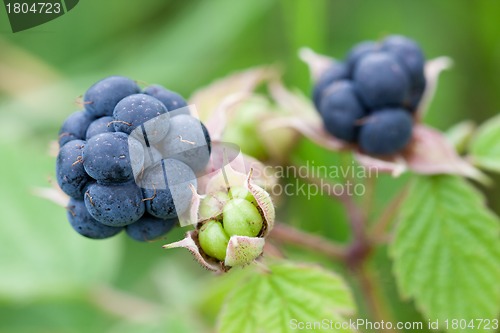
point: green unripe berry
(241, 218)
(212, 204)
(244, 125)
(239, 192)
(213, 240)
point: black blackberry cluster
(370, 98)
(128, 159)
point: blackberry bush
(143, 168)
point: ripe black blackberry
(386, 75)
(107, 148)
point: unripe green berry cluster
(234, 213)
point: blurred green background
(52, 280)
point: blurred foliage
(49, 274)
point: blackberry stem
(283, 233)
(379, 230)
(356, 254)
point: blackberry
(120, 167)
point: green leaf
(286, 296)
(485, 146)
(447, 251)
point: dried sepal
(316, 62)
(54, 194)
(313, 130)
(264, 203)
(190, 243)
(432, 70)
(395, 165)
(431, 153)
(210, 98)
(243, 250)
(291, 102)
